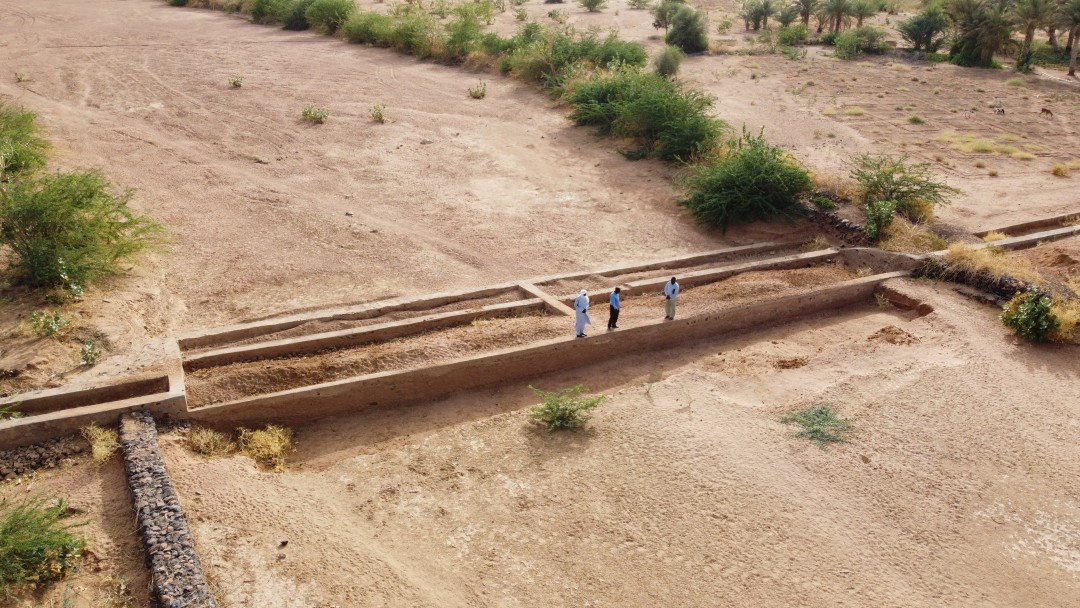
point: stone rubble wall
(175, 570)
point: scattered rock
(425, 142)
(349, 213)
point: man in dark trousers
(613, 310)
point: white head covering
(583, 292)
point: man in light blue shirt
(581, 307)
(671, 292)
(613, 311)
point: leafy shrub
(67, 228)
(559, 16)
(820, 424)
(1029, 315)
(792, 35)
(329, 15)
(925, 31)
(413, 31)
(724, 27)
(103, 442)
(367, 28)
(550, 57)
(639, 4)
(36, 544)
(315, 115)
(292, 14)
(10, 412)
(751, 181)
(879, 214)
(521, 14)
(479, 91)
(668, 61)
(689, 30)
(664, 12)
(377, 113)
(866, 39)
(566, 409)
(89, 355)
(22, 148)
(269, 446)
(829, 38)
(825, 203)
(913, 187)
(667, 122)
(593, 6)
(916, 120)
(236, 82)
(261, 10)
(178, 2)
(46, 325)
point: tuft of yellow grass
(830, 111)
(905, 237)
(1020, 155)
(855, 111)
(994, 260)
(1060, 170)
(995, 236)
(209, 442)
(838, 187)
(1015, 82)
(817, 243)
(1067, 312)
(1073, 164)
(269, 446)
(103, 442)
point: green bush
(666, 121)
(879, 214)
(37, 545)
(46, 325)
(865, 39)
(329, 15)
(925, 31)
(566, 409)
(664, 12)
(292, 14)
(261, 10)
(414, 31)
(593, 6)
(367, 28)
(668, 61)
(314, 114)
(548, 56)
(22, 148)
(689, 30)
(820, 424)
(177, 2)
(1029, 315)
(913, 187)
(751, 181)
(66, 229)
(792, 35)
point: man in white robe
(581, 306)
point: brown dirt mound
(790, 363)
(893, 335)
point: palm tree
(805, 8)
(836, 11)
(983, 28)
(768, 8)
(1070, 14)
(1030, 15)
(861, 9)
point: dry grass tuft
(1067, 312)
(269, 446)
(995, 261)
(1072, 220)
(103, 442)
(209, 442)
(1060, 170)
(1020, 155)
(817, 243)
(856, 111)
(838, 187)
(994, 236)
(904, 237)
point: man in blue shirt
(671, 292)
(613, 311)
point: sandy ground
(111, 573)
(956, 489)
(959, 487)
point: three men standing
(671, 292)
